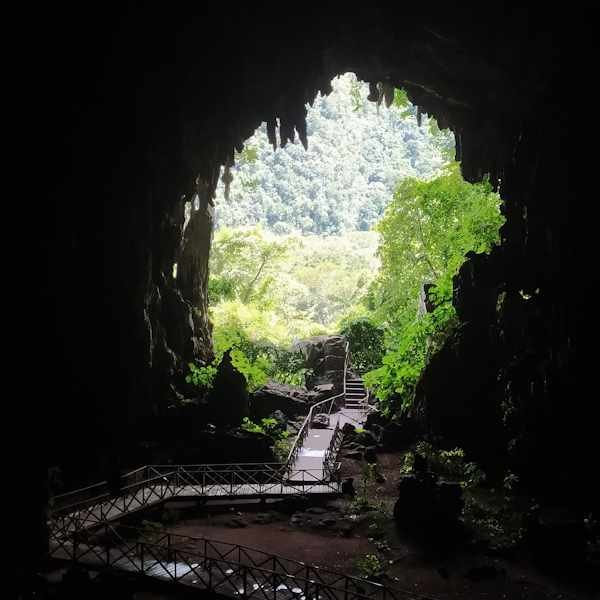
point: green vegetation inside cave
(341, 238)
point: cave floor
(328, 534)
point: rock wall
(325, 356)
(129, 116)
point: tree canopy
(357, 152)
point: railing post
(245, 579)
(142, 557)
(75, 544)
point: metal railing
(231, 569)
(150, 484)
(303, 431)
(330, 464)
(169, 481)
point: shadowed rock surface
(146, 106)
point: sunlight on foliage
(426, 231)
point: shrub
(269, 427)
(369, 566)
(366, 343)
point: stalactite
(302, 132)
(388, 93)
(458, 146)
(286, 131)
(373, 92)
(272, 132)
(227, 178)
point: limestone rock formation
(129, 138)
(228, 400)
(291, 400)
(325, 355)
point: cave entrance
(304, 239)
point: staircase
(356, 394)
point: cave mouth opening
(296, 253)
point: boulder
(319, 346)
(325, 355)
(348, 429)
(316, 510)
(321, 392)
(236, 523)
(264, 518)
(228, 399)
(399, 435)
(280, 417)
(290, 400)
(348, 486)
(366, 438)
(428, 506)
(370, 454)
(376, 419)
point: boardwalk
(80, 527)
(318, 441)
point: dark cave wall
(141, 109)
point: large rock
(289, 399)
(228, 400)
(427, 506)
(315, 348)
(325, 355)
(399, 435)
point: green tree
(243, 264)
(425, 233)
(366, 343)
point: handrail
(303, 431)
(177, 481)
(142, 475)
(269, 567)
